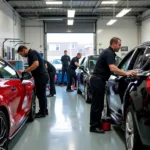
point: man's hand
(131, 73)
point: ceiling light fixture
(111, 22)
(54, 2)
(71, 13)
(109, 2)
(123, 12)
(70, 22)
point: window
(139, 58)
(73, 46)
(126, 61)
(117, 60)
(142, 60)
(54, 47)
(7, 71)
(92, 62)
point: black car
(128, 98)
(83, 75)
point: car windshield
(92, 62)
(56, 61)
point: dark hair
(79, 53)
(114, 40)
(21, 48)
(65, 50)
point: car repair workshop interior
(74, 74)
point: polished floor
(66, 128)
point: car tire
(86, 93)
(33, 108)
(4, 131)
(131, 132)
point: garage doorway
(72, 42)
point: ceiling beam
(100, 7)
(75, 0)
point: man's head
(23, 51)
(65, 52)
(115, 43)
(79, 55)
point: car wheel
(4, 132)
(86, 93)
(132, 138)
(33, 108)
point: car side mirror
(26, 76)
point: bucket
(106, 123)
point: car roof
(145, 44)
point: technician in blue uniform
(71, 70)
(40, 75)
(104, 66)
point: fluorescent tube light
(71, 13)
(70, 22)
(54, 2)
(123, 12)
(109, 2)
(111, 22)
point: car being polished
(128, 98)
(17, 102)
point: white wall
(145, 31)
(126, 29)
(34, 34)
(10, 25)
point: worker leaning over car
(71, 70)
(40, 74)
(104, 66)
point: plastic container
(106, 123)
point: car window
(92, 63)
(139, 58)
(6, 71)
(126, 61)
(117, 60)
(145, 64)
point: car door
(116, 86)
(14, 94)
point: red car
(17, 102)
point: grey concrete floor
(66, 128)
